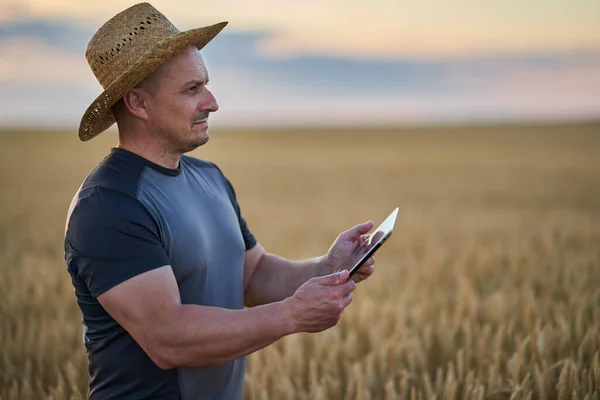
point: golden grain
(487, 289)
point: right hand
(318, 304)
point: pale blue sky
(335, 62)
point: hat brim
(98, 117)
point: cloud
(28, 61)
(57, 34)
(43, 72)
(384, 29)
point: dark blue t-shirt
(131, 216)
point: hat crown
(123, 39)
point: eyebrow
(195, 82)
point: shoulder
(101, 200)
(100, 209)
(108, 200)
(117, 172)
(110, 189)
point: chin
(202, 137)
(203, 140)
(198, 139)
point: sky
(336, 62)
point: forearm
(198, 336)
(276, 278)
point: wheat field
(489, 287)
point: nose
(208, 102)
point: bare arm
(174, 335)
(269, 278)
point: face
(179, 103)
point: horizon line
(333, 127)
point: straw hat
(128, 48)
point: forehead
(185, 66)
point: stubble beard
(201, 137)
(175, 144)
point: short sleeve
(111, 237)
(249, 239)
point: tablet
(370, 245)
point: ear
(136, 101)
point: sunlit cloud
(378, 28)
(312, 64)
(29, 61)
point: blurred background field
(489, 287)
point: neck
(151, 151)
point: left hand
(344, 245)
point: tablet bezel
(390, 220)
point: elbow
(162, 364)
(161, 346)
(162, 357)
(160, 351)
(168, 358)
(168, 348)
(249, 301)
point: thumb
(333, 279)
(356, 231)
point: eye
(193, 89)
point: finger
(347, 287)
(346, 300)
(355, 232)
(363, 273)
(333, 279)
(378, 235)
(363, 238)
(367, 267)
(367, 270)
(342, 290)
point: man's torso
(192, 213)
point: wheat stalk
(487, 282)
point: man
(160, 257)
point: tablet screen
(370, 245)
